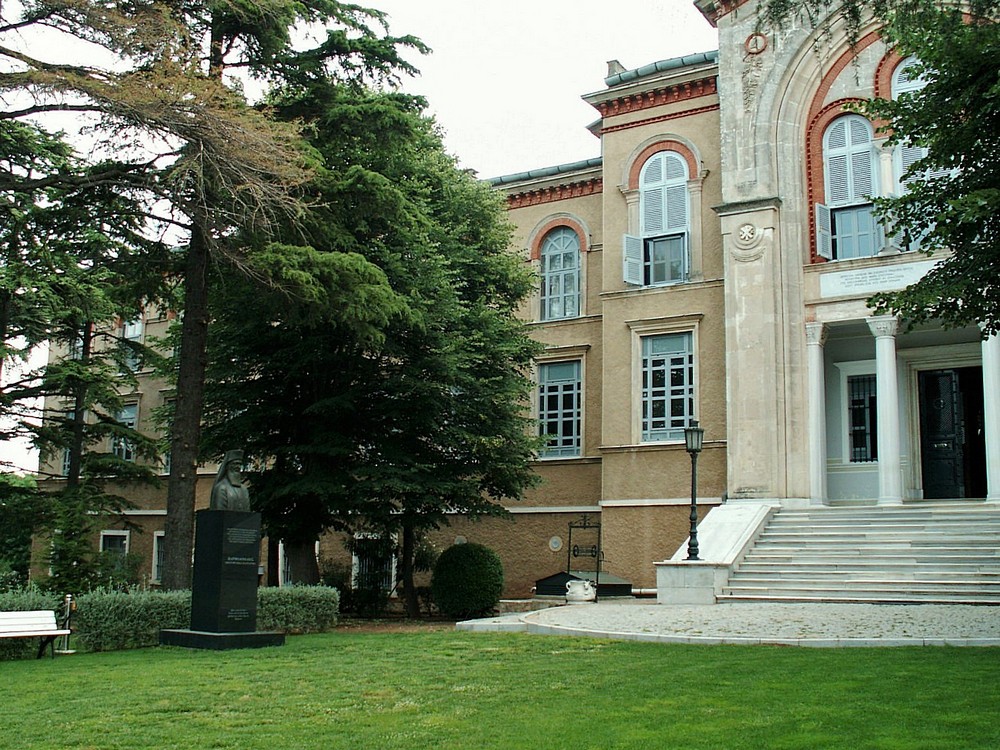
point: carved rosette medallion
(748, 243)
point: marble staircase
(946, 552)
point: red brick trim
(655, 148)
(658, 97)
(838, 67)
(815, 186)
(661, 118)
(555, 193)
(883, 74)
(562, 221)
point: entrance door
(952, 445)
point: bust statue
(228, 491)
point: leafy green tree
(952, 197)
(389, 427)
(157, 93)
(73, 261)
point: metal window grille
(374, 564)
(862, 418)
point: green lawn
(443, 689)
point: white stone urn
(580, 591)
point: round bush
(467, 581)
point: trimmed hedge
(25, 600)
(111, 620)
(297, 609)
(107, 620)
(467, 581)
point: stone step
(953, 529)
(855, 598)
(972, 539)
(934, 552)
(888, 552)
(851, 582)
(912, 572)
(875, 565)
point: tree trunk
(301, 557)
(186, 428)
(79, 410)
(410, 600)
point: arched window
(846, 227)
(560, 270)
(660, 254)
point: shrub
(297, 609)
(24, 600)
(467, 581)
(108, 620)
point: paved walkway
(747, 623)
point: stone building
(713, 264)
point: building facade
(714, 264)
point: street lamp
(693, 437)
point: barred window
(862, 416)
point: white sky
(504, 79)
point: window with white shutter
(845, 224)
(660, 253)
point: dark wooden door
(952, 446)
(940, 434)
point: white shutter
(863, 176)
(837, 135)
(675, 168)
(632, 260)
(652, 172)
(838, 188)
(824, 232)
(652, 212)
(677, 208)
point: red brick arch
(560, 221)
(667, 144)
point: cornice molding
(657, 97)
(554, 193)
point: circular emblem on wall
(555, 544)
(748, 242)
(755, 43)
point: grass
(443, 689)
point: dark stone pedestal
(220, 641)
(224, 588)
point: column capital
(816, 333)
(883, 325)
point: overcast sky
(504, 80)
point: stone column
(815, 339)
(890, 481)
(991, 415)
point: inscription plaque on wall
(867, 281)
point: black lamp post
(693, 437)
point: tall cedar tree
(391, 428)
(73, 260)
(952, 197)
(156, 87)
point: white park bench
(32, 624)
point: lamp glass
(693, 436)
